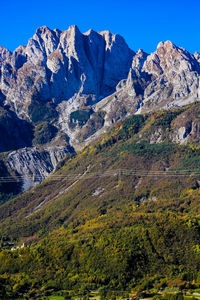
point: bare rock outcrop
(56, 65)
(85, 82)
(34, 165)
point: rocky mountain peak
(74, 28)
(19, 57)
(72, 33)
(168, 58)
(108, 37)
(169, 52)
(42, 30)
(71, 42)
(166, 45)
(73, 71)
(112, 39)
(83, 83)
(59, 65)
(5, 55)
(90, 32)
(197, 56)
(139, 59)
(43, 43)
(140, 52)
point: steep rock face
(57, 66)
(14, 133)
(180, 126)
(184, 131)
(19, 57)
(186, 128)
(74, 71)
(197, 56)
(138, 79)
(124, 102)
(128, 95)
(5, 55)
(175, 75)
(84, 83)
(34, 165)
(167, 78)
(118, 59)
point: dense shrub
(41, 111)
(44, 133)
(80, 117)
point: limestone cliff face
(83, 83)
(175, 74)
(167, 78)
(75, 71)
(57, 66)
(34, 165)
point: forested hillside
(123, 215)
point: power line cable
(115, 172)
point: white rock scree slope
(84, 83)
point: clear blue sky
(143, 23)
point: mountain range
(99, 168)
(65, 88)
